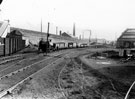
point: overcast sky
(106, 18)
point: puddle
(105, 63)
(101, 57)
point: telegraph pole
(48, 30)
(47, 38)
(41, 25)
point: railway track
(10, 80)
(22, 60)
(25, 60)
(70, 89)
(66, 84)
(9, 59)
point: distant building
(126, 42)
(65, 34)
(33, 37)
(101, 41)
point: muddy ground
(116, 76)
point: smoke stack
(74, 29)
(60, 32)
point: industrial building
(10, 42)
(126, 42)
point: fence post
(9, 46)
(4, 48)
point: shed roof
(26, 32)
(128, 35)
(3, 27)
(14, 33)
(66, 35)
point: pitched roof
(3, 27)
(65, 34)
(26, 33)
(14, 33)
(128, 34)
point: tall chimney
(60, 32)
(74, 29)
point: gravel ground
(44, 85)
(78, 77)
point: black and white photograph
(67, 49)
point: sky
(105, 18)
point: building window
(134, 44)
(127, 45)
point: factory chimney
(60, 32)
(74, 29)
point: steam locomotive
(45, 46)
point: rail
(9, 90)
(126, 97)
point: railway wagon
(49, 46)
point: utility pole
(41, 25)
(48, 31)
(47, 38)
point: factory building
(10, 42)
(126, 42)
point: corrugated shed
(35, 36)
(128, 35)
(127, 39)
